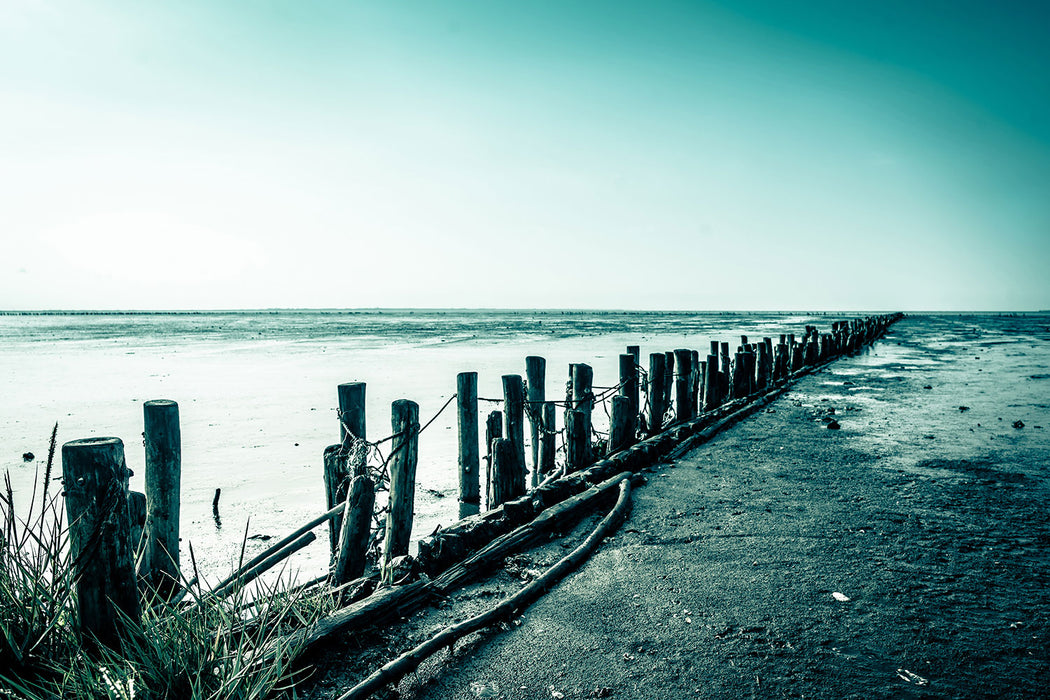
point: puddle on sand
(974, 394)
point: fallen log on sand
(410, 661)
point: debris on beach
(909, 677)
(1018, 424)
(963, 409)
(28, 456)
(484, 689)
(834, 425)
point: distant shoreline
(462, 310)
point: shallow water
(956, 385)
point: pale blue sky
(748, 154)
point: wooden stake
(348, 458)
(493, 430)
(780, 360)
(583, 402)
(683, 378)
(95, 479)
(669, 371)
(162, 437)
(696, 378)
(657, 405)
(621, 427)
(635, 352)
(712, 384)
(761, 368)
(536, 395)
(577, 440)
(740, 380)
(548, 445)
(336, 482)
(351, 411)
(357, 528)
(404, 453)
(629, 390)
(505, 482)
(725, 370)
(467, 420)
(514, 419)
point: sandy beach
(902, 555)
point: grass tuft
(203, 648)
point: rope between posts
(380, 468)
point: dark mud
(905, 555)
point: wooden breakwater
(125, 543)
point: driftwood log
(410, 661)
(398, 601)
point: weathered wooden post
(635, 352)
(725, 371)
(404, 454)
(467, 422)
(621, 427)
(739, 376)
(712, 383)
(514, 417)
(493, 430)
(577, 440)
(629, 390)
(583, 401)
(162, 436)
(336, 479)
(352, 551)
(669, 371)
(505, 473)
(536, 395)
(683, 379)
(696, 378)
(762, 369)
(657, 406)
(749, 372)
(548, 446)
(95, 480)
(809, 349)
(768, 342)
(348, 458)
(351, 412)
(701, 384)
(779, 362)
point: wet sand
(906, 554)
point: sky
(748, 154)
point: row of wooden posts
(120, 539)
(678, 386)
